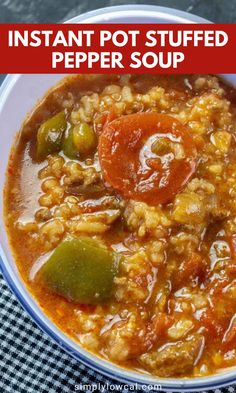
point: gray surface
(221, 11)
(1, 78)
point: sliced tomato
(147, 156)
(103, 120)
(190, 269)
(212, 324)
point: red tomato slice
(102, 120)
(192, 268)
(211, 323)
(147, 156)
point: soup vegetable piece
(50, 134)
(147, 156)
(80, 270)
(120, 210)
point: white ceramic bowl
(18, 95)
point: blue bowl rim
(183, 385)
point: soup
(119, 206)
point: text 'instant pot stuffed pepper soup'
(120, 210)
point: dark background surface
(45, 11)
(11, 11)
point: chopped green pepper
(68, 146)
(79, 140)
(81, 270)
(84, 139)
(50, 135)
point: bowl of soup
(118, 222)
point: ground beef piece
(176, 358)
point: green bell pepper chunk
(79, 141)
(50, 135)
(84, 138)
(81, 271)
(68, 146)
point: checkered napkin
(31, 363)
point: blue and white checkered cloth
(31, 363)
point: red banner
(111, 48)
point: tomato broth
(120, 210)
